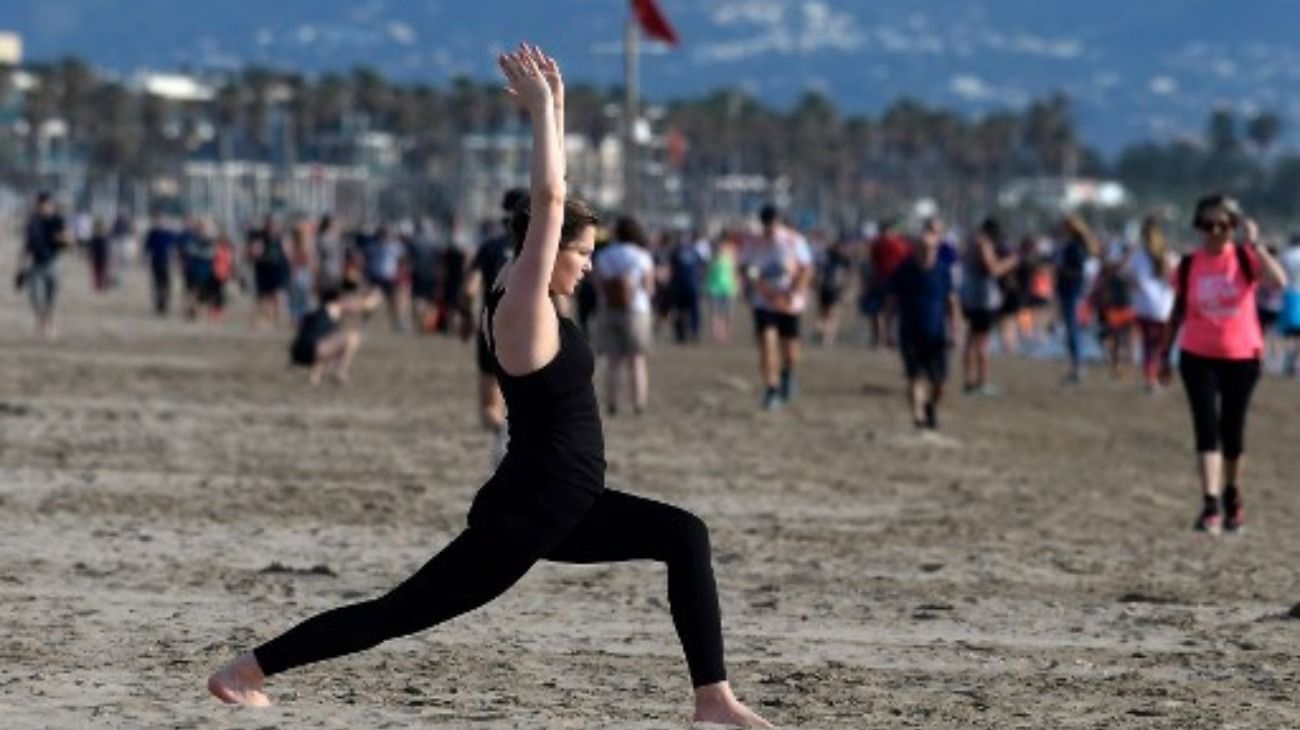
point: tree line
(842, 167)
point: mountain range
(1149, 70)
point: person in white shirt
(778, 268)
(625, 273)
(1149, 270)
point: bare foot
(240, 683)
(716, 704)
(339, 377)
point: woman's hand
(525, 81)
(550, 71)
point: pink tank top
(1221, 320)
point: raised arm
(525, 328)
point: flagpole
(631, 182)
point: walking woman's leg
(622, 527)
(1237, 385)
(1203, 382)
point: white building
(11, 48)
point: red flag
(653, 22)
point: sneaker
(931, 416)
(772, 400)
(788, 387)
(1211, 520)
(1234, 520)
(987, 390)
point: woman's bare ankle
(240, 682)
(716, 703)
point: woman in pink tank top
(1221, 347)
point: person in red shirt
(887, 252)
(1221, 348)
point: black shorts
(786, 325)
(924, 357)
(303, 353)
(828, 297)
(269, 278)
(1012, 302)
(1268, 318)
(981, 321)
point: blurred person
(886, 252)
(924, 299)
(625, 277)
(833, 272)
(122, 246)
(426, 277)
(981, 301)
(323, 341)
(159, 244)
(1147, 269)
(223, 270)
(452, 265)
(1290, 319)
(385, 256)
(46, 237)
(688, 261)
(1078, 246)
(548, 499)
(266, 251)
(722, 285)
(778, 266)
(1270, 299)
(200, 249)
(100, 249)
(1115, 314)
(1014, 301)
(1035, 277)
(302, 263)
(331, 255)
(491, 258)
(1220, 349)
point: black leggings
(482, 562)
(1219, 392)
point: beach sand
(170, 495)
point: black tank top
(552, 413)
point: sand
(169, 495)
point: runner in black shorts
(922, 293)
(778, 268)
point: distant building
(11, 48)
(495, 162)
(1063, 194)
(174, 87)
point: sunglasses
(1215, 226)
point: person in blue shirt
(686, 275)
(159, 243)
(925, 300)
(46, 237)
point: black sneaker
(772, 400)
(1234, 520)
(1211, 520)
(788, 386)
(931, 416)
